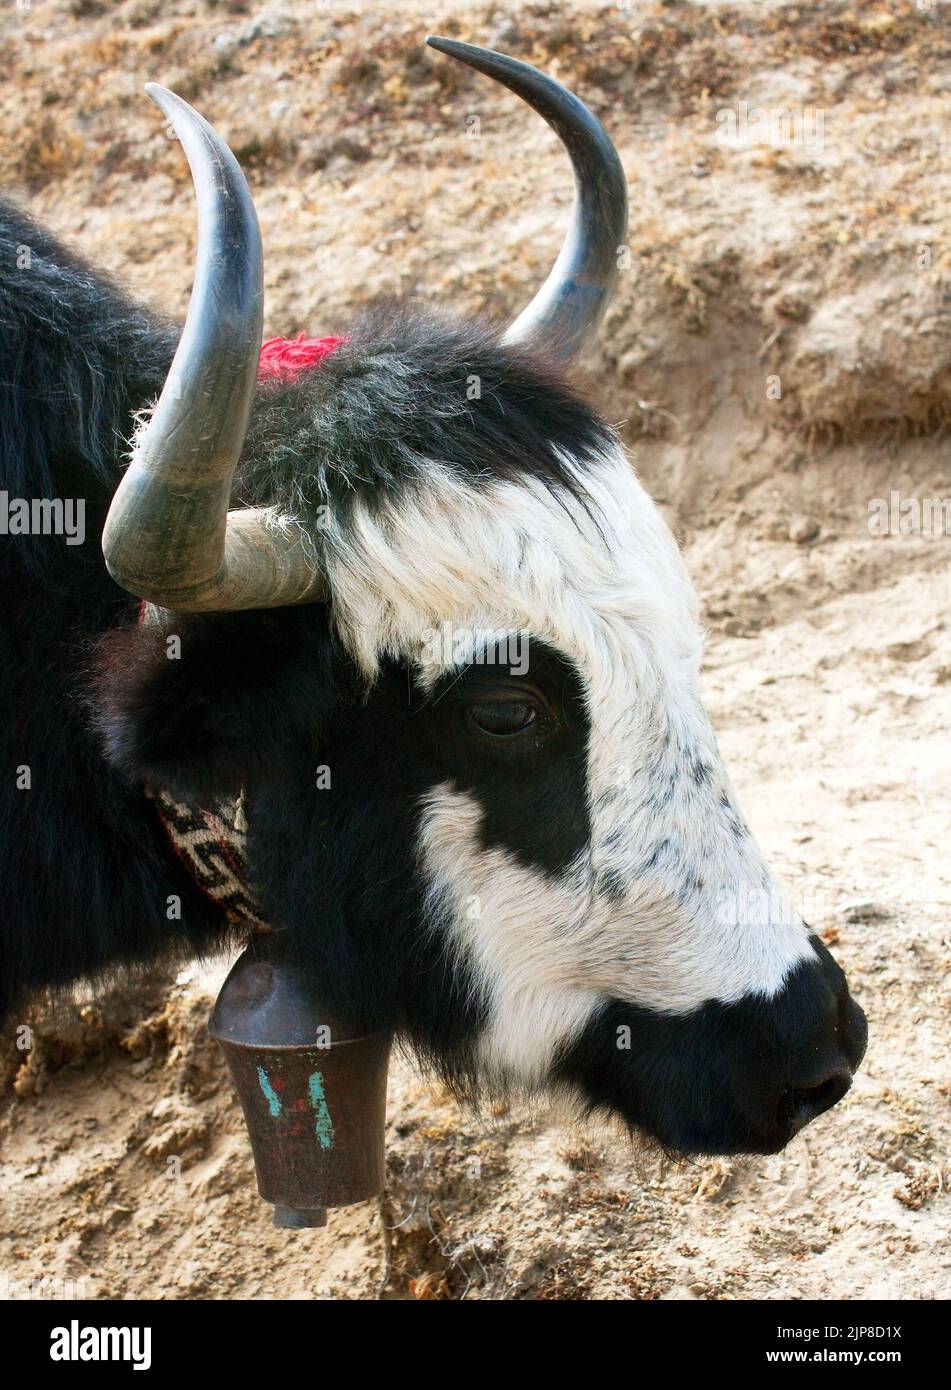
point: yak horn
(571, 303)
(169, 536)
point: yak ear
(203, 705)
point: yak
(399, 601)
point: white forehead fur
(671, 904)
(511, 555)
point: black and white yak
(405, 596)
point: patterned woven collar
(211, 845)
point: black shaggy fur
(260, 700)
(78, 356)
(84, 871)
(399, 394)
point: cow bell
(313, 1091)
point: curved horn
(169, 536)
(569, 306)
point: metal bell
(313, 1092)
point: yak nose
(823, 1073)
(806, 1102)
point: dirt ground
(780, 352)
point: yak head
(430, 622)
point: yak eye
(502, 718)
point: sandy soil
(823, 267)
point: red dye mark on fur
(283, 359)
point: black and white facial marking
(530, 842)
(638, 905)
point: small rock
(535, 1269)
(803, 529)
(791, 306)
(863, 910)
(507, 37)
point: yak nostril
(809, 1101)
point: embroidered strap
(211, 845)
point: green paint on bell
(324, 1127)
(270, 1095)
